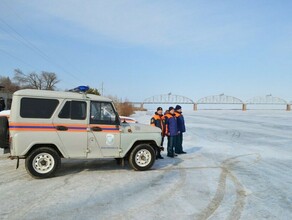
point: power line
(23, 61)
(15, 57)
(21, 19)
(34, 48)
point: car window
(37, 108)
(73, 110)
(102, 113)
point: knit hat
(159, 109)
(177, 107)
(170, 108)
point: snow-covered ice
(238, 166)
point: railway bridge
(221, 99)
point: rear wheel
(4, 133)
(42, 162)
(142, 157)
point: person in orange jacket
(158, 121)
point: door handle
(61, 128)
(96, 129)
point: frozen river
(238, 166)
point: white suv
(45, 126)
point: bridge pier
(195, 107)
(244, 107)
(288, 107)
(142, 106)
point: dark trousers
(171, 144)
(158, 149)
(162, 140)
(178, 145)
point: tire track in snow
(241, 192)
(227, 135)
(130, 213)
(240, 198)
(218, 198)
(34, 204)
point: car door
(71, 124)
(104, 138)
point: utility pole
(102, 89)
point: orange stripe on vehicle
(46, 124)
(30, 129)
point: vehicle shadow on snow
(166, 163)
(74, 166)
(173, 162)
(71, 167)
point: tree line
(33, 80)
(48, 81)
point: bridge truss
(219, 99)
(215, 99)
(168, 99)
(266, 100)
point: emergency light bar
(80, 89)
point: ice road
(238, 166)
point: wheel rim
(43, 163)
(143, 158)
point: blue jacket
(180, 122)
(171, 125)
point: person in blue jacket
(181, 127)
(171, 131)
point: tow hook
(17, 163)
(17, 160)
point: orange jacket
(158, 121)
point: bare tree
(49, 80)
(124, 108)
(7, 85)
(45, 80)
(20, 78)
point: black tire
(4, 133)
(43, 162)
(142, 157)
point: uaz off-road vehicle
(45, 126)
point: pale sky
(144, 48)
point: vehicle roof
(58, 94)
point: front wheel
(142, 157)
(42, 162)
